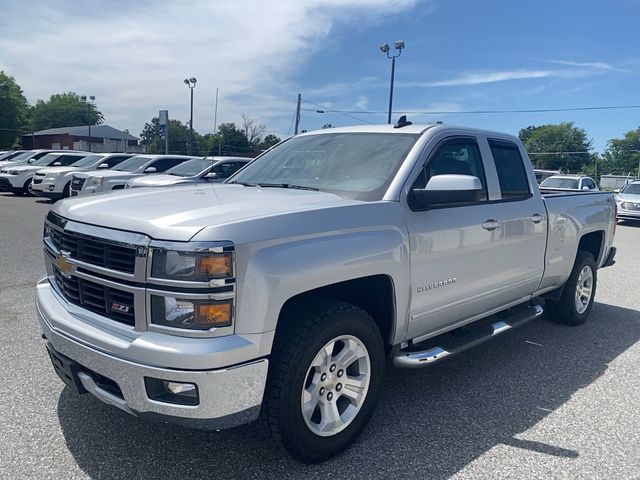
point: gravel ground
(544, 401)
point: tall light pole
(399, 45)
(191, 83)
(92, 98)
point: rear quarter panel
(571, 216)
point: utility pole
(191, 83)
(215, 122)
(399, 45)
(298, 114)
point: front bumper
(228, 396)
(6, 183)
(623, 214)
(47, 189)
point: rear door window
(164, 164)
(512, 175)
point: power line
(341, 112)
(463, 112)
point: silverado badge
(64, 265)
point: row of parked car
(57, 174)
(627, 199)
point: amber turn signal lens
(215, 265)
(213, 314)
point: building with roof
(104, 138)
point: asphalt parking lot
(544, 401)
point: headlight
(191, 266)
(618, 200)
(13, 172)
(51, 176)
(96, 181)
(191, 314)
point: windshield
(132, 164)
(557, 182)
(23, 157)
(46, 160)
(190, 168)
(632, 189)
(88, 161)
(353, 165)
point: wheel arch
(375, 294)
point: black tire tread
(288, 344)
(563, 310)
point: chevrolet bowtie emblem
(64, 265)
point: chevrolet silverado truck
(280, 294)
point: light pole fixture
(399, 46)
(191, 83)
(84, 99)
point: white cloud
(477, 78)
(133, 56)
(589, 65)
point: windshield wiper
(287, 185)
(243, 183)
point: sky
(460, 56)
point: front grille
(95, 251)
(106, 301)
(77, 183)
(631, 206)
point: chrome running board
(449, 344)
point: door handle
(490, 225)
(536, 218)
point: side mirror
(56, 164)
(211, 175)
(444, 190)
(31, 160)
(150, 170)
(103, 165)
(585, 188)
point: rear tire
(325, 374)
(575, 303)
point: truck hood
(178, 213)
(158, 180)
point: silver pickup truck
(280, 294)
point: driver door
(454, 248)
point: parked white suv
(98, 181)
(55, 182)
(18, 178)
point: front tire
(325, 377)
(575, 303)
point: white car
(198, 170)
(628, 202)
(98, 181)
(55, 182)
(17, 178)
(569, 183)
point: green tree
(558, 146)
(232, 140)
(622, 155)
(14, 111)
(64, 110)
(178, 137)
(269, 141)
